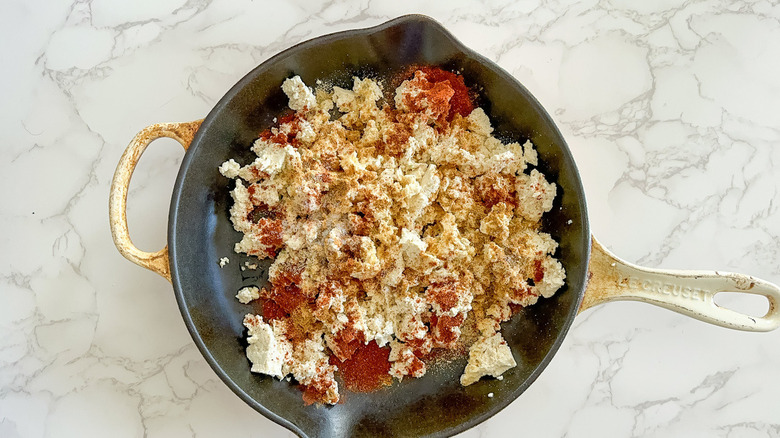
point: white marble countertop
(672, 110)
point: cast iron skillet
(200, 233)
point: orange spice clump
(400, 229)
(366, 369)
(460, 103)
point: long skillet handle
(688, 292)
(117, 201)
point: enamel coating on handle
(117, 202)
(687, 292)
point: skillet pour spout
(200, 233)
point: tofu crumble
(398, 228)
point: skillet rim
(324, 39)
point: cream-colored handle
(688, 292)
(117, 201)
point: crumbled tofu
(414, 254)
(267, 348)
(270, 160)
(248, 294)
(489, 356)
(223, 261)
(537, 195)
(271, 353)
(230, 168)
(479, 122)
(411, 227)
(299, 94)
(554, 277)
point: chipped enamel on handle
(117, 201)
(687, 292)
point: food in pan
(401, 231)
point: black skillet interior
(200, 233)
